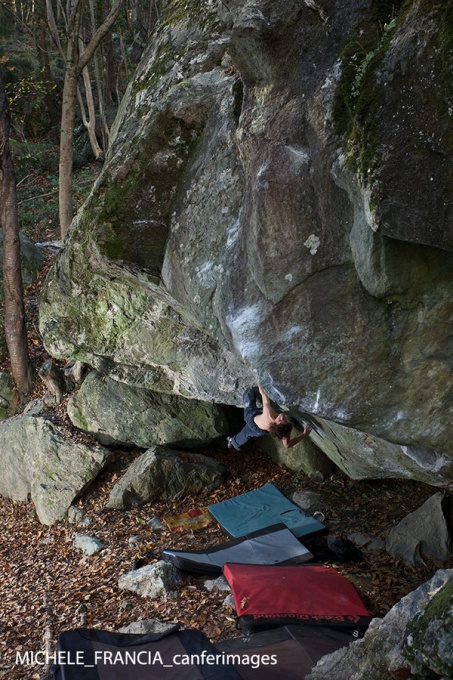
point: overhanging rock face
(247, 226)
(362, 455)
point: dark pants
(251, 429)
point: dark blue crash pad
(90, 654)
(262, 508)
(276, 545)
(285, 653)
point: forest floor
(38, 561)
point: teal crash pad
(262, 508)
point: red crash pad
(270, 596)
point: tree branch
(103, 29)
(53, 27)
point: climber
(263, 420)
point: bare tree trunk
(15, 330)
(71, 77)
(135, 13)
(109, 63)
(125, 63)
(105, 132)
(151, 21)
(41, 38)
(53, 24)
(74, 67)
(90, 121)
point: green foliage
(26, 96)
(34, 163)
(29, 157)
(299, 478)
(356, 101)
(197, 12)
(36, 168)
(26, 89)
(16, 66)
(362, 67)
(444, 14)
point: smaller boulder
(154, 580)
(304, 457)
(89, 545)
(310, 501)
(219, 583)
(147, 626)
(366, 542)
(228, 602)
(155, 523)
(75, 515)
(165, 474)
(422, 533)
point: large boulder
(38, 461)
(387, 650)
(163, 474)
(122, 320)
(275, 206)
(116, 412)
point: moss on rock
(358, 96)
(356, 99)
(429, 642)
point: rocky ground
(38, 561)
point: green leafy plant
(362, 66)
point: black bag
(333, 549)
